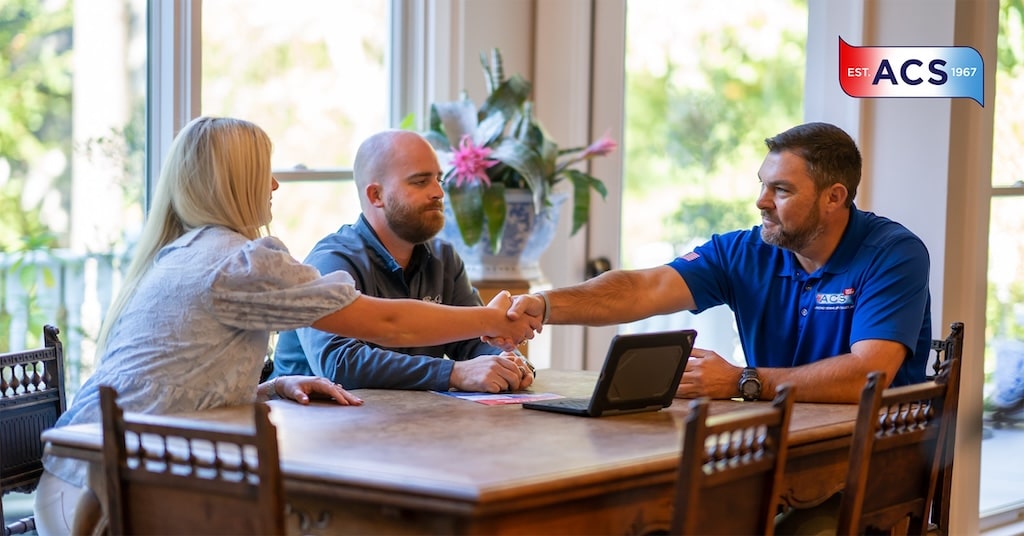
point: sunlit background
(705, 86)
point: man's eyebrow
(421, 175)
(776, 182)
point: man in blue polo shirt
(823, 293)
(391, 253)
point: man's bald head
(376, 154)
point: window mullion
(173, 79)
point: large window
(1004, 331)
(704, 88)
(73, 132)
(72, 94)
(314, 76)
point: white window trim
(172, 80)
(175, 76)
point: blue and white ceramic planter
(527, 235)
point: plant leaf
(408, 122)
(437, 140)
(494, 73)
(489, 129)
(457, 118)
(435, 121)
(436, 135)
(467, 205)
(508, 98)
(581, 185)
(494, 209)
(520, 157)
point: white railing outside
(66, 289)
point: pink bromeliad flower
(471, 163)
(601, 147)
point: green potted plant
(500, 147)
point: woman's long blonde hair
(217, 172)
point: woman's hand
(512, 331)
(300, 388)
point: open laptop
(640, 373)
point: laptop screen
(644, 373)
(640, 373)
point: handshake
(523, 317)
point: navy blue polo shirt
(874, 286)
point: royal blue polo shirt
(874, 286)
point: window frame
(174, 79)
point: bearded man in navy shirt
(392, 252)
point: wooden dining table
(415, 462)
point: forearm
(596, 302)
(618, 297)
(357, 365)
(375, 368)
(838, 379)
(407, 323)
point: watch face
(750, 388)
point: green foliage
(21, 226)
(699, 219)
(35, 114)
(35, 119)
(1002, 310)
(1003, 305)
(696, 131)
(28, 272)
(1010, 44)
(35, 79)
(408, 122)
(703, 129)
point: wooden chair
(165, 477)
(731, 468)
(946, 351)
(31, 399)
(897, 452)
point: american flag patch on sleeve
(691, 256)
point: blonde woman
(191, 325)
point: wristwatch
(750, 384)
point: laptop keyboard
(574, 403)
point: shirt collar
(420, 252)
(848, 245)
(843, 255)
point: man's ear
(836, 195)
(375, 194)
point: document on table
(499, 399)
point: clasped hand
(512, 329)
(492, 373)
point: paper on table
(498, 399)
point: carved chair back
(897, 453)
(170, 476)
(731, 468)
(31, 399)
(948, 352)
